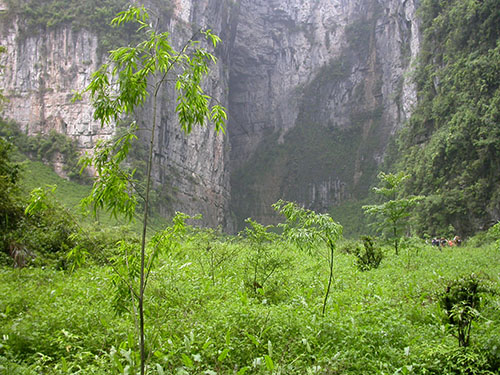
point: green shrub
(349, 246)
(369, 256)
(264, 257)
(461, 304)
(10, 196)
(490, 236)
(455, 360)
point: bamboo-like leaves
(123, 84)
(111, 189)
(392, 213)
(116, 90)
(306, 227)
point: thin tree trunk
(143, 243)
(329, 279)
(396, 241)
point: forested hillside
(451, 145)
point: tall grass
(205, 319)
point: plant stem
(395, 240)
(330, 244)
(143, 241)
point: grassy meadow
(206, 315)
(245, 304)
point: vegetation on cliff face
(93, 15)
(48, 148)
(451, 145)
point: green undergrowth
(203, 317)
(67, 193)
(37, 174)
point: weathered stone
(288, 71)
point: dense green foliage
(43, 15)
(461, 303)
(10, 207)
(205, 315)
(93, 15)
(26, 238)
(369, 256)
(204, 319)
(46, 148)
(451, 146)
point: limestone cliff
(314, 89)
(44, 67)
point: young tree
(392, 213)
(116, 90)
(262, 260)
(306, 227)
(461, 303)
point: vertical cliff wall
(45, 65)
(314, 89)
(41, 74)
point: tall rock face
(41, 74)
(44, 67)
(314, 89)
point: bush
(461, 304)
(457, 360)
(349, 246)
(490, 236)
(369, 256)
(10, 198)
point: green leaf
(187, 361)
(269, 363)
(223, 355)
(252, 338)
(243, 370)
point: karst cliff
(313, 89)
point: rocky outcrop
(44, 69)
(41, 74)
(314, 90)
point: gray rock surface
(295, 75)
